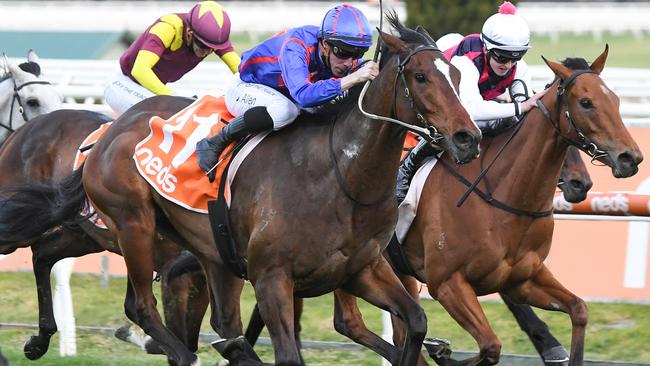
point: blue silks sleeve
(294, 65)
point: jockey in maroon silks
(294, 70)
(171, 47)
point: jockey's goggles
(502, 56)
(344, 54)
(200, 44)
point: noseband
(16, 98)
(429, 132)
(583, 142)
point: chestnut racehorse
(499, 244)
(317, 221)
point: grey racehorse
(24, 94)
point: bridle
(16, 98)
(429, 132)
(583, 142)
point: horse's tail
(186, 262)
(30, 210)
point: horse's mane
(576, 63)
(31, 67)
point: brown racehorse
(478, 248)
(303, 231)
(43, 151)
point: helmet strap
(325, 58)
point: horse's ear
(5, 64)
(559, 70)
(599, 64)
(32, 56)
(394, 44)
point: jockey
(295, 69)
(490, 65)
(172, 46)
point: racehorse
(3, 360)
(575, 181)
(351, 218)
(24, 94)
(510, 236)
(44, 151)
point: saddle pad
(409, 207)
(82, 153)
(166, 158)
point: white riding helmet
(506, 30)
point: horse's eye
(420, 77)
(33, 103)
(586, 103)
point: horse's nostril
(626, 160)
(463, 139)
(576, 184)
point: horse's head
(24, 95)
(424, 89)
(575, 181)
(586, 114)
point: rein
(430, 133)
(584, 143)
(16, 98)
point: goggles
(200, 44)
(345, 54)
(503, 57)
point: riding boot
(209, 149)
(410, 165)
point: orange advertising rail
(606, 203)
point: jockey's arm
(232, 60)
(145, 60)
(295, 73)
(478, 108)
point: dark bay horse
(503, 251)
(44, 151)
(574, 182)
(349, 219)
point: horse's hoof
(555, 356)
(153, 348)
(237, 351)
(35, 348)
(438, 349)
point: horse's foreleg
(460, 301)
(45, 253)
(379, 285)
(548, 347)
(274, 294)
(544, 291)
(136, 240)
(185, 300)
(349, 322)
(225, 318)
(412, 286)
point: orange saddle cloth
(166, 158)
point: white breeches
(121, 93)
(242, 96)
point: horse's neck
(368, 150)
(530, 166)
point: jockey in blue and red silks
(296, 69)
(494, 83)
